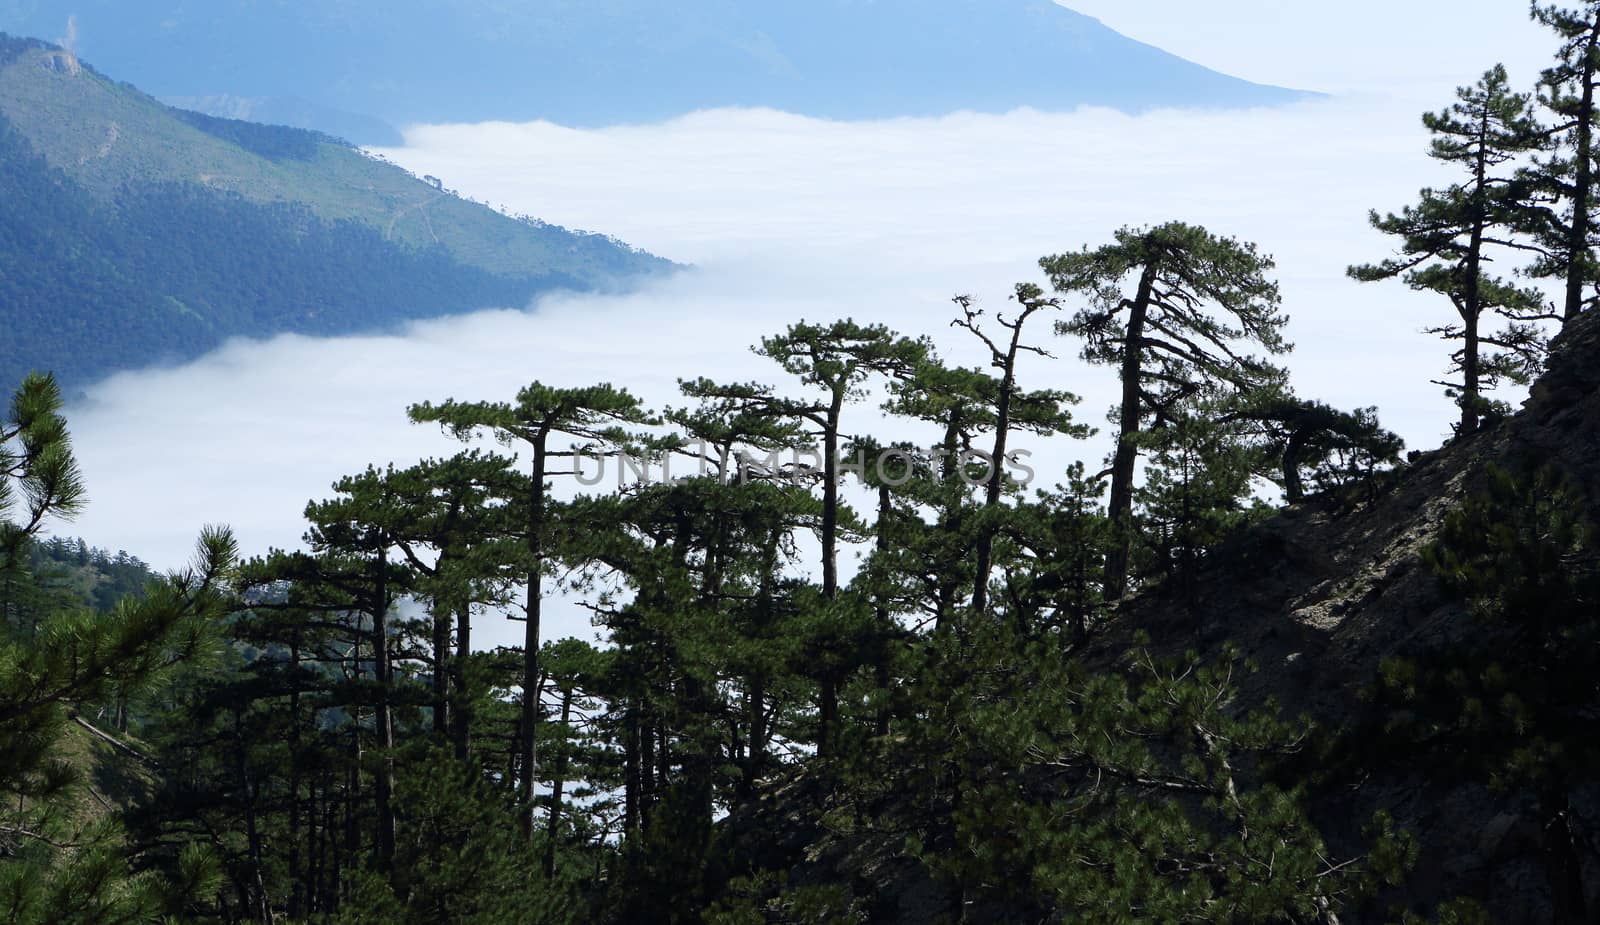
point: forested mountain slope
(1465, 720)
(134, 233)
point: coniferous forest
(851, 679)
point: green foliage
(1056, 572)
(1512, 701)
(12, 47)
(1190, 270)
(839, 357)
(949, 710)
(1197, 492)
(1563, 179)
(764, 900)
(1315, 445)
(459, 862)
(88, 882)
(1451, 235)
(91, 576)
(186, 231)
(1053, 791)
(169, 271)
(1199, 302)
(60, 862)
(1458, 912)
(37, 470)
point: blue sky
(1411, 47)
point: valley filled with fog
(781, 218)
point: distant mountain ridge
(603, 62)
(294, 113)
(132, 233)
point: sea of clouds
(782, 218)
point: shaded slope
(106, 135)
(131, 233)
(1317, 597)
(1322, 594)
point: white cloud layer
(784, 218)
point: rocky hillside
(1318, 597)
(1322, 594)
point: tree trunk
(441, 670)
(553, 827)
(647, 769)
(1563, 868)
(997, 476)
(632, 782)
(885, 621)
(1294, 489)
(352, 790)
(1120, 510)
(756, 684)
(261, 905)
(828, 700)
(384, 721)
(461, 716)
(530, 655)
(950, 518)
(1472, 311)
(830, 497)
(296, 877)
(324, 870)
(1471, 399)
(699, 768)
(756, 749)
(1583, 182)
(827, 716)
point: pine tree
(457, 531)
(1566, 178)
(1451, 235)
(1199, 301)
(838, 360)
(1313, 442)
(933, 558)
(353, 540)
(1142, 793)
(54, 866)
(594, 415)
(1196, 492)
(1055, 582)
(36, 461)
(1042, 413)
